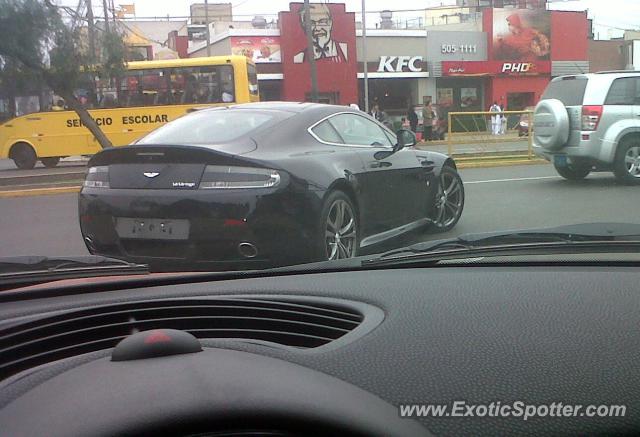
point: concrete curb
(39, 192)
(499, 163)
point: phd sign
(517, 67)
(495, 68)
(397, 64)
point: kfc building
(397, 69)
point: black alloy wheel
(449, 200)
(339, 227)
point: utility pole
(364, 56)
(113, 13)
(106, 16)
(206, 19)
(92, 34)
(310, 52)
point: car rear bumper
(280, 224)
(593, 151)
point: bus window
(27, 105)
(144, 88)
(5, 110)
(207, 84)
(253, 79)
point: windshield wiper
(28, 270)
(584, 237)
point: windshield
(278, 135)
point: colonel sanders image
(522, 43)
(324, 47)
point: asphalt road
(497, 199)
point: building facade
(504, 55)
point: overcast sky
(610, 16)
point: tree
(36, 38)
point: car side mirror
(406, 138)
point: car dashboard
(333, 353)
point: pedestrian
(376, 112)
(503, 121)
(427, 121)
(58, 106)
(495, 119)
(405, 123)
(413, 118)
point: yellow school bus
(149, 94)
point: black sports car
(265, 183)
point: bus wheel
(50, 162)
(23, 156)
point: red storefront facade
(525, 49)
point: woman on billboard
(522, 43)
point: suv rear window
(570, 91)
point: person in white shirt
(503, 121)
(496, 120)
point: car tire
(448, 201)
(573, 172)
(23, 156)
(626, 166)
(50, 162)
(338, 236)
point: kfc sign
(396, 64)
(518, 67)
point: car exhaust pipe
(247, 250)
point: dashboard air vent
(303, 323)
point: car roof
(295, 107)
(601, 75)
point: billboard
(333, 35)
(261, 49)
(521, 35)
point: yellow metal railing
(476, 128)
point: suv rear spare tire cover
(550, 124)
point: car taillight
(591, 115)
(226, 177)
(97, 177)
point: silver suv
(591, 122)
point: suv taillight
(591, 115)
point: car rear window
(570, 90)
(208, 127)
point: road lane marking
(512, 180)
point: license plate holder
(152, 229)
(560, 160)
